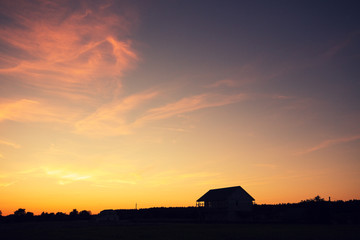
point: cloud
(21, 110)
(190, 104)
(9, 178)
(8, 143)
(118, 117)
(98, 178)
(26, 110)
(341, 45)
(61, 46)
(66, 57)
(6, 184)
(122, 116)
(66, 177)
(330, 142)
(111, 119)
(69, 58)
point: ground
(90, 230)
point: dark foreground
(90, 230)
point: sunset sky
(105, 104)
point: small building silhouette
(226, 203)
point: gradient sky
(105, 104)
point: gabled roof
(221, 194)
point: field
(89, 230)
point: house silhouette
(230, 201)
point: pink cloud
(329, 143)
(122, 116)
(74, 54)
(78, 49)
(190, 104)
(112, 119)
(25, 110)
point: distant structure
(226, 203)
(107, 215)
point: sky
(109, 104)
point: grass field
(88, 230)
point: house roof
(221, 194)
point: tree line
(22, 215)
(315, 210)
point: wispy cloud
(68, 57)
(6, 184)
(26, 110)
(10, 178)
(330, 142)
(190, 104)
(65, 48)
(68, 52)
(339, 46)
(9, 143)
(111, 119)
(66, 177)
(116, 118)
(95, 177)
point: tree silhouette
(20, 212)
(29, 214)
(315, 199)
(84, 214)
(60, 214)
(74, 213)
(318, 199)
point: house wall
(216, 204)
(233, 204)
(238, 201)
